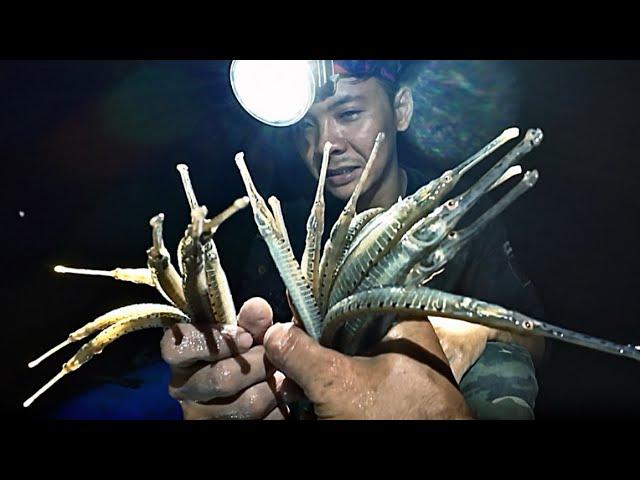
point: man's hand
(221, 373)
(464, 342)
(392, 385)
(224, 374)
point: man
(263, 367)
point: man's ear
(403, 106)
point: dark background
(89, 150)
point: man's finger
(222, 379)
(303, 360)
(189, 344)
(255, 316)
(255, 403)
(418, 340)
(420, 333)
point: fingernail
(269, 332)
(283, 338)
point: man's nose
(329, 133)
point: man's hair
(387, 72)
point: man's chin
(342, 192)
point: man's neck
(392, 184)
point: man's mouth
(335, 172)
(338, 177)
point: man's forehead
(350, 88)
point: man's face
(350, 119)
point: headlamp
(279, 92)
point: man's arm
(464, 342)
(487, 270)
(497, 375)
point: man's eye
(350, 114)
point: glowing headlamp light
(278, 92)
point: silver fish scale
(394, 222)
(353, 271)
(297, 286)
(433, 302)
(388, 246)
(400, 259)
(399, 212)
(357, 224)
(577, 338)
